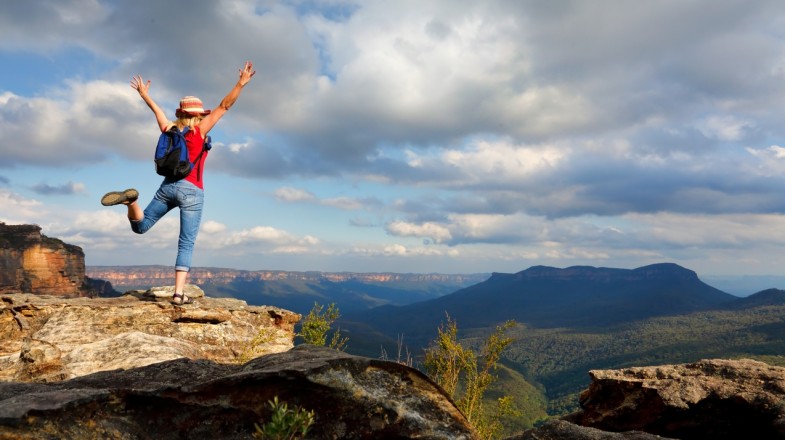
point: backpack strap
(206, 146)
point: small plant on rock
(257, 346)
(285, 423)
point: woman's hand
(140, 86)
(245, 74)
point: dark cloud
(65, 189)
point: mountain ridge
(542, 296)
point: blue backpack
(171, 154)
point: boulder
(351, 397)
(717, 399)
(45, 338)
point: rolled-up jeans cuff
(135, 225)
(182, 269)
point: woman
(187, 193)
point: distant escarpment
(145, 276)
(297, 291)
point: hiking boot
(120, 197)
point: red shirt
(193, 138)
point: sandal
(117, 197)
(179, 299)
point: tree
(457, 368)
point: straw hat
(191, 105)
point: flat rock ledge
(47, 338)
(352, 397)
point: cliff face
(34, 263)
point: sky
(447, 136)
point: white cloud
(725, 128)
(437, 233)
(17, 209)
(82, 123)
(289, 194)
(489, 161)
(213, 227)
(345, 203)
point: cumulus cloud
(346, 203)
(432, 231)
(572, 129)
(81, 123)
(257, 239)
(18, 209)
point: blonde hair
(185, 120)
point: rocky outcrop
(45, 338)
(716, 399)
(351, 397)
(32, 262)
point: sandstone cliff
(34, 263)
(45, 338)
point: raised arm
(210, 120)
(142, 87)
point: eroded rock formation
(45, 338)
(716, 399)
(352, 398)
(34, 263)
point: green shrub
(316, 325)
(457, 368)
(285, 423)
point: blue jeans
(176, 194)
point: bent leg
(141, 222)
